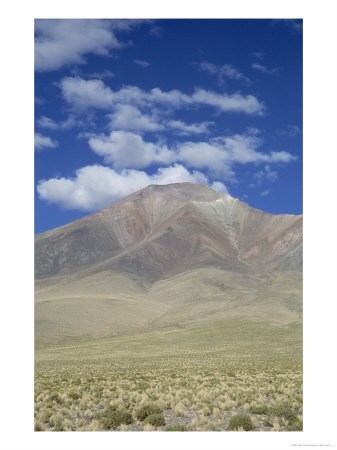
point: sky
(122, 104)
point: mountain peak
(180, 191)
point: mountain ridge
(162, 229)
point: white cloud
(124, 149)
(61, 42)
(50, 124)
(81, 94)
(264, 69)
(141, 62)
(77, 72)
(264, 193)
(265, 173)
(203, 155)
(223, 72)
(219, 187)
(41, 142)
(290, 131)
(247, 104)
(293, 24)
(219, 155)
(156, 31)
(185, 128)
(128, 117)
(96, 187)
(281, 157)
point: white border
(320, 225)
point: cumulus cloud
(264, 69)
(82, 94)
(219, 187)
(184, 128)
(95, 187)
(247, 104)
(128, 117)
(41, 142)
(222, 72)
(219, 155)
(209, 156)
(61, 42)
(124, 149)
(50, 124)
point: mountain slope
(168, 259)
(162, 230)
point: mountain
(163, 230)
(140, 261)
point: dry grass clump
(114, 417)
(240, 421)
(146, 411)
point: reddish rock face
(162, 230)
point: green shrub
(157, 420)
(295, 425)
(283, 410)
(74, 395)
(259, 410)
(55, 397)
(241, 420)
(113, 417)
(147, 410)
(176, 428)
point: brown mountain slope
(160, 231)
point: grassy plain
(217, 351)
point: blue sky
(123, 104)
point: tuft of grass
(38, 426)
(240, 420)
(259, 410)
(113, 417)
(296, 425)
(74, 395)
(283, 410)
(156, 420)
(147, 410)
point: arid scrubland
(169, 388)
(229, 362)
(108, 397)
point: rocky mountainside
(164, 230)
